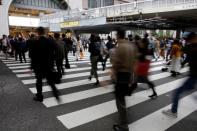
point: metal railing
(148, 6)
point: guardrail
(148, 6)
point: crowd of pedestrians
(130, 59)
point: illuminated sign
(69, 24)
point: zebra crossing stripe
(66, 70)
(65, 76)
(28, 66)
(105, 78)
(32, 81)
(49, 102)
(162, 122)
(73, 119)
(19, 64)
(72, 84)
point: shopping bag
(143, 68)
(57, 77)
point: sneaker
(169, 113)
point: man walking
(124, 65)
(42, 62)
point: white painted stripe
(19, 67)
(49, 102)
(155, 69)
(72, 84)
(66, 70)
(89, 114)
(32, 81)
(161, 122)
(105, 78)
(94, 92)
(28, 66)
(17, 64)
(21, 71)
(152, 64)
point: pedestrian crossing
(83, 104)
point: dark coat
(191, 51)
(42, 60)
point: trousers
(188, 85)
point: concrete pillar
(4, 25)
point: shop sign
(69, 24)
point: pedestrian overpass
(149, 14)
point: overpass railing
(148, 6)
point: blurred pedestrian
(30, 43)
(176, 58)
(190, 83)
(5, 46)
(123, 65)
(109, 46)
(59, 53)
(42, 63)
(94, 49)
(143, 66)
(68, 43)
(22, 49)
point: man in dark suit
(42, 62)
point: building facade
(123, 1)
(99, 3)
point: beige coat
(125, 57)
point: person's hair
(4, 36)
(92, 38)
(40, 30)
(32, 36)
(146, 35)
(120, 34)
(56, 35)
(78, 38)
(20, 39)
(176, 41)
(109, 38)
(63, 35)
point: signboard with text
(69, 24)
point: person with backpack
(94, 49)
(109, 46)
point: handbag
(56, 77)
(143, 67)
